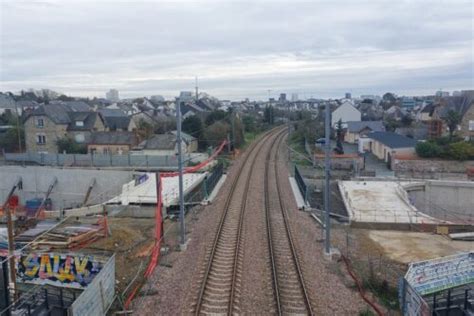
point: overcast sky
(237, 49)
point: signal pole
(327, 166)
(180, 171)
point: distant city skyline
(238, 50)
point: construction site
(83, 238)
(98, 241)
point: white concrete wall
(71, 187)
(454, 199)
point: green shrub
(428, 149)
(461, 151)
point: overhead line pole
(180, 170)
(327, 166)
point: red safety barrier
(155, 254)
(376, 308)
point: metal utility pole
(11, 242)
(289, 134)
(180, 171)
(233, 128)
(327, 190)
(18, 131)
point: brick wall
(431, 169)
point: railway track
(291, 296)
(219, 291)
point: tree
(193, 126)
(389, 97)
(69, 146)
(269, 115)
(64, 97)
(249, 123)
(461, 151)
(145, 129)
(9, 140)
(407, 120)
(339, 135)
(452, 119)
(215, 133)
(428, 149)
(214, 116)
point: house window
(41, 139)
(40, 123)
(80, 123)
(471, 125)
(79, 138)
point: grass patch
(388, 295)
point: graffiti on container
(443, 273)
(58, 269)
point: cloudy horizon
(237, 49)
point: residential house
(112, 143)
(117, 120)
(426, 112)
(357, 129)
(83, 124)
(394, 113)
(346, 112)
(464, 105)
(191, 141)
(7, 104)
(370, 110)
(161, 145)
(48, 123)
(419, 131)
(385, 145)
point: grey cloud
(237, 48)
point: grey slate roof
(89, 119)
(418, 132)
(73, 106)
(357, 126)
(56, 112)
(185, 136)
(392, 140)
(159, 142)
(6, 101)
(459, 104)
(115, 119)
(114, 138)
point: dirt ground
(131, 239)
(406, 247)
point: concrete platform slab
(406, 247)
(300, 202)
(381, 202)
(216, 190)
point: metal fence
(301, 184)
(97, 160)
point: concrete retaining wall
(450, 200)
(71, 187)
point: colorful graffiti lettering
(67, 270)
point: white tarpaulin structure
(143, 191)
